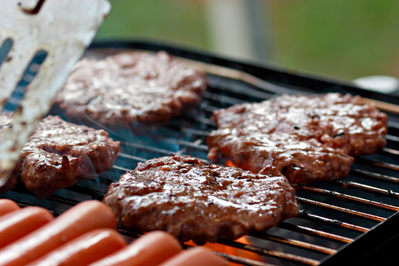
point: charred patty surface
(132, 87)
(60, 154)
(191, 200)
(305, 138)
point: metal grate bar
(86, 117)
(63, 200)
(372, 175)
(393, 124)
(221, 86)
(128, 156)
(120, 168)
(392, 138)
(295, 243)
(221, 98)
(350, 184)
(378, 163)
(197, 144)
(340, 209)
(146, 148)
(105, 180)
(208, 108)
(203, 120)
(314, 232)
(94, 194)
(195, 131)
(347, 197)
(262, 251)
(54, 198)
(333, 222)
(23, 204)
(389, 151)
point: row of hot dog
(85, 235)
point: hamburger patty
(305, 138)
(191, 200)
(132, 87)
(60, 154)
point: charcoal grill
(350, 221)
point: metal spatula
(63, 29)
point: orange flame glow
(231, 164)
(231, 250)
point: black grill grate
(351, 216)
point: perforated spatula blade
(63, 29)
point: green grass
(339, 38)
(176, 21)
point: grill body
(350, 221)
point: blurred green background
(337, 38)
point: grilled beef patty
(60, 154)
(191, 200)
(305, 138)
(129, 88)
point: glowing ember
(231, 250)
(230, 164)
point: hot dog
(150, 249)
(82, 218)
(197, 256)
(17, 224)
(84, 249)
(7, 206)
